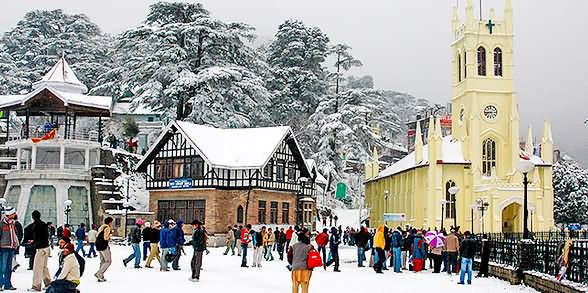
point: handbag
(314, 259)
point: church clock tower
(484, 107)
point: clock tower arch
(483, 98)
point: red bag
(314, 259)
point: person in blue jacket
(80, 236)
(397, 242)
(166, 242)
(180, 240)
(334, 242)
(418, 252)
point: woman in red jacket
(321, 241)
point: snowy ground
(223, 274)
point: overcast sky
(405, 46)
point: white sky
(404, 45)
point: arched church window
(465, 65)
(481, 61)
(449, 200)
(458, 67)
(488, 156)
(240, 215)
(497, 62)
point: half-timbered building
(229, 176)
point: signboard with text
(180, 183)
(394, 217)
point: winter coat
(8, 238)
(179, 234)
(396, 239)
(298, 256)
(418, 247)
(258, 239)
(19, 231)
(154, 235)
(322, 239)
(361, 237)
(244, 238)
(198, 240)
(452, 243)
(468, 248)
(269, 239)
(388, 240)
(80, 233)
(281, 239)
(379, 238)
(135, 235)
(335, 239)
(289, 233)
(71, 269)
(166, 238)
(147, 233)
(230, 237)
(40, 234)
(92, 234)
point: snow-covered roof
(451, 153)
(231, 148)
(140, 109)
(61, 77)
(311, 164)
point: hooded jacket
(179, 233)
(379, 238)
(335, 239)
(361, 237)
(166, 237)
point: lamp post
(2, 204)
(473, 207)
(443, 203)
(453, 190)
(482, 206)
(525, 166)
(385, 207)
(113, 167)
(126, 207)
(67, 204)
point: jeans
(81, 247)
(451, 262)
(268, 253)
(176, 262)
(244, 260)
(360, 256)
(6, 267)
(397, 258)
(92, 251)
(146, 247)
(381, 259)
(466, 267)
(136, 255)
(404, 259)
(335, 253)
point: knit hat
(139, 221)
(9, 211)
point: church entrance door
(512, 216)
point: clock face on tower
(490, 112)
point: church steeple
(529, 142)
(547, 144)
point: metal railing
(50, 167)
(89, 135)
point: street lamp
(525, 166)
(67, 204)
(482, 206)
(126, 206)
(473, 207)
(2, 204)
(443, 203)
(453, 190)
(385, 207)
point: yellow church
(481, 155)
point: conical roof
(63, 78)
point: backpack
(314, 259)
(101, 243)
(81, 263)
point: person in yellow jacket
(268, 242)
(379, 244)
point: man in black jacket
(42, 251)
(135, 240)
(199, 245)
(467, 249)
(361, 240)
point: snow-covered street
(223, 274)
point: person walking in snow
(276, 235)
(230, 240)
(281, 239)
(379, 245)
(167, 242)
(135, 239)
(41, 244)
(80, 238)
(289, 234)
(154, 243)
(245, 238)
(8, 244)
(361, 241)
(92, 234)
(269, 240)
(322, 239)
(331, 220)
(180, 240)
(104, 233)
(198, 243)
(258, 247)
(237, 243)
(298, 261)
(146, 233)
(334, 242)
(336, 219)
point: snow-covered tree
(299, 79)
(41, 37)
(191, 66)
(12, 79)
(362, 82)
(344, 61)
(570, 185)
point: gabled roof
(62, 77)
(232, 148)
(67, 98)
(311, 163)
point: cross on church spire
(490, 25)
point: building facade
(229, 176)
(482, 154)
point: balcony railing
(50, 167)
(91, 135)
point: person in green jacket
(199, 245)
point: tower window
(450, 200)
(465, 64)
(458, 67)
(481, 61)
(488, 156)
(497, 62)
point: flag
(50, 135)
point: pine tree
(41, 37)
(570, 185)
(191, 66)
(344, 61)
(299, 79)
(12, 79)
